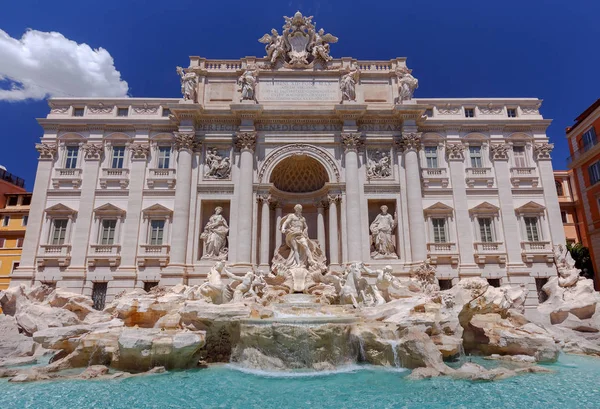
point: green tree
(583, 261)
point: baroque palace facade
(134, 192)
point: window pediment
(439, 208)
(531, 207)
(109, 210)
(485, 208)
(60, 209)
(157, 210)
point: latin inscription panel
(297, 90)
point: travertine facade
(125, 188)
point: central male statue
(296, 237)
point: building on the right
(585, 165)
(570, 205)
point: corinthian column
(334, 252)
(278, 216)
(410, 143)
(541, 153)
(353, 223)
(185, 144)
(321, 226)
(265, 218)
(246, 142)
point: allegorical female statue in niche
(215, 236)
(382, 235)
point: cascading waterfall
(394, 344)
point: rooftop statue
(407, 84)
(189, 82)
(299, 45)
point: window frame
(24, 220)
(69, 159)
(444, 229)
(12, 197)
(160, 158)
(6, 221)
(63, 230)
(491, 234)
(431, 152)
(470, 111)
(513, 110)
(538, 230)
(479, 156)
(151, 238)
(121, 158)
(121, 110)
(517, 158)
(591, 136)
(78, 111)
(107, 235)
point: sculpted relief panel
(298, 90)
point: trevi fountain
(303, 330)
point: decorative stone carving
(568, 274)
(351, 141)
(139, 150)
(530, 110)
(542, 150)
(449, 110)
(333, 199)
(185, 141)
(145, 109)
(424, 274)
(215, 236)
(379, 164)
(299, 174)
(93, 151)
(407, 84)
(348, 85)
(46, 150)
(382, 237)
(247, 83)
(491, 110)
(218, 164)
(246, 140)
(455, 151)
(189, 84)
(500, 151)
(298, 148)
(100, 109)
(410, 140)
(59, 110)
(299, 45)
(299, 259)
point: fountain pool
(574, 385)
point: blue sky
(528, 48)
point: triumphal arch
(132, 192)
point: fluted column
(353, 223)
(278, 217)
(334, 256)
(542, 155)
(321, 226)
(185, 144)
(265, 230)
(246, 142)
(410, 143)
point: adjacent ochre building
(14, 216)
(125, 188)
(570, 205)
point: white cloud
(44, 64)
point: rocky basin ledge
(178, 328)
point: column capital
(542, 151)
(455, 151)
(47, 150)
(332, 199)
(186, 141)
(246, 140)
(264, 198)
(351, 140)
(500, 151)
(409, 141)
(139, 151)
(93, 151)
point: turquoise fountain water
(574, 385)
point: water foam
(309, 374)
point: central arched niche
(299, 174)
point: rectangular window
(563, 216)
(164, 156)
(531, 229)
(25, 220)
(107, 233)
(99, 295)
(519, 156)
(20, 242)
(469, 112)
(13, 200)
(166, 112)
(122, 111)
(431, 156)
(15, 266)
(77, 111)
(118, 157)
(2, 242)
(475, 154)
(71, 157)
(594, 172)
(59, 231)
(485, 229)
(157, 229)
(26, 201)
(6, 221)
(439, 230)
(512, 112)
(589, 139)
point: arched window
(559, 188)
